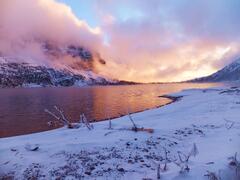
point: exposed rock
(27, 75)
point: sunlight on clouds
(173, 41)
(140, 41)
(220, 52)
(175, 65)
(66, 11)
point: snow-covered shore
(210, 118)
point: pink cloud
(164, 41)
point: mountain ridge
(22, 74)
(230, 73)
(55, 65)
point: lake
(22, 109)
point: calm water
(22, 110)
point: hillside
(21, 74)
(229, 73)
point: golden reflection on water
(22, 110)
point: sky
(143, 41)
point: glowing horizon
(161, 41)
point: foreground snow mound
(194, 138)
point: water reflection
(22, 110)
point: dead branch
(62, 115)
(194, 151)
(212, 176)
(55, 116)
(183, 159)
(166, 159)
(110, 124)
(134, 128)
(158, 171)
(149, 130)
(182, 164)
(80, 121)
(229, 124)
(158, 168)
(109, 120)
(235, 163)
(110, 132)
(63, 119)
(85, 121)
(180, 154)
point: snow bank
(207, 117)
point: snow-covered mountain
(21, 74)
(67, 65)
(229, 73)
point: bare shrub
(234, 162)
(183, 160)
(212, 176)
(64, 120)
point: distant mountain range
(27, 75)
(229, 73)
(77, 70)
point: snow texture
(205, 123)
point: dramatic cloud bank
(142, 41)
(26, 26)
(171, 40)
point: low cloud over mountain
(140, 41)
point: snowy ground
(209, 118)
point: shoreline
(199, 118)
(172, 98)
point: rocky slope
(68, 65)
(16, 74)
(80, 57)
